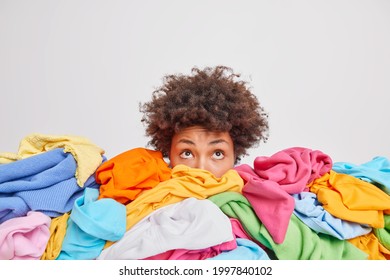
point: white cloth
(189, 224)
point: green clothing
(383, 234)
(301, 242)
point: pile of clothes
(62, 199)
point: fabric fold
(126, 175)
(301, 243)
(57, 234)
(270, 183)
(383, 234)
(311, 212)
(351, 199)
(90, 224)
(246, 250)
(190, 224)
(44, 182)
(24, 238)
(375, 171)
(87, 155)
(185, 182)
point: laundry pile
(62, 199)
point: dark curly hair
(212, 98)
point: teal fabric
(91, 223)
(375, 171)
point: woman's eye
(218, 155)
(186, 154)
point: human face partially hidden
(198, 147)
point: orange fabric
(126, 175)
(352, 199)
(370, 244)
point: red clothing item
(126, 175)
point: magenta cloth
(270, 183)
(238, 229)
(24, 238)
(201, 254)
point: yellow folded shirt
(87, 155)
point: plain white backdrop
(321, 69)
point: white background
(281, 269)
(321, 69)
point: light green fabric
(301, 243)
(383, 234)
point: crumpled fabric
(44, 182)
(197, 254)
(351, 199)
(192, 224)
(126, 175)
(375, 171)
(87, 155)
(301, 243)
(269, 184)
(383, 234)
(24, 238)
(246, 250)
(185, 182)
(370, 244)
(57, 234)
(90, 224)
(311, 212)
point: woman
(205, 120)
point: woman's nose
(201, 163)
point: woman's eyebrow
(218, 141)
(186, 141)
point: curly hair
(212, 98)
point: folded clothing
(45, 182)
(87, 155)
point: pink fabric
(238, 230)
(269, 184)
(24, 238)
(293, 168)
(201, 254)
